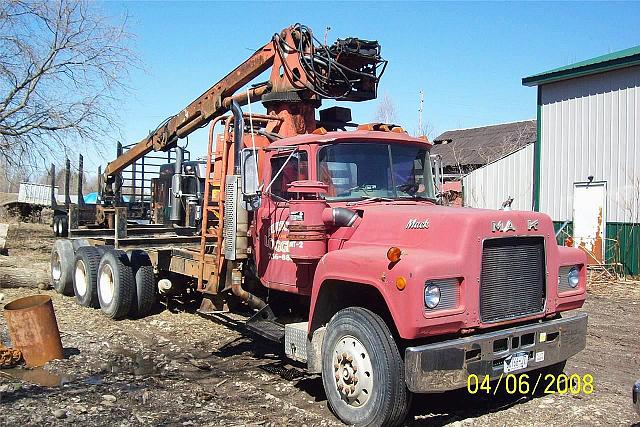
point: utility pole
(420, 113)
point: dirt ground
(177, 368)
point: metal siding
(490, 185)
(627, 251)
(590, 127)
(36, 194)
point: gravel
(178, 368)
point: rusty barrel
(33, 329)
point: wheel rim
(56, 267)
(81, 278)
(106, 284)
(353, 372)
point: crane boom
(198, 113)
(345, 71)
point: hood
(411, 224)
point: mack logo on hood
(502, 226)
(416, 224)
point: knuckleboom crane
(303, 73)
(346, 71)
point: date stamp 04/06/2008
(531, 384)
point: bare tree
(386, 110)
(426, 130)
(468, 157)
(62, 67)
(10, 178)
(524, 134)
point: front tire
(115, 284)
(362, 371)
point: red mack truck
(333, 240)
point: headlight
(431, 295)
(573, 277)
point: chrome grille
(512, 281)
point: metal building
(463, 151)
(587, 153)
(509, 177)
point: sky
(467, 58)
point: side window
(296, 169)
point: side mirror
(250, 182)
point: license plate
(516, 362)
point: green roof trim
(611, 61)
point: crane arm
(347, 70)
(213, 102)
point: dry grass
(616, 287)
(30, 242)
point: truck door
(275, 267)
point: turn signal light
(401, 283)
(393, 254)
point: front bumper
(446, 365)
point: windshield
(356, 171)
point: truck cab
(457, 291)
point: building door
(589, 219)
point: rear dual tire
(144, 296)
(85, 278)
(60, 226)
(125, 284)
(128, 280)
(115, 284)
(62, 262)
